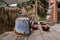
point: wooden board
(36, 35)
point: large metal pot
(22, 24)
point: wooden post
(55, 11)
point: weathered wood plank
(55, 33)
(35, 36)
(47, 35)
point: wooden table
(36, 35)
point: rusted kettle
(34, 26)
(44, 26)
(22, 25)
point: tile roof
(10, 1)
(14, 1)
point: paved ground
(36, 35)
